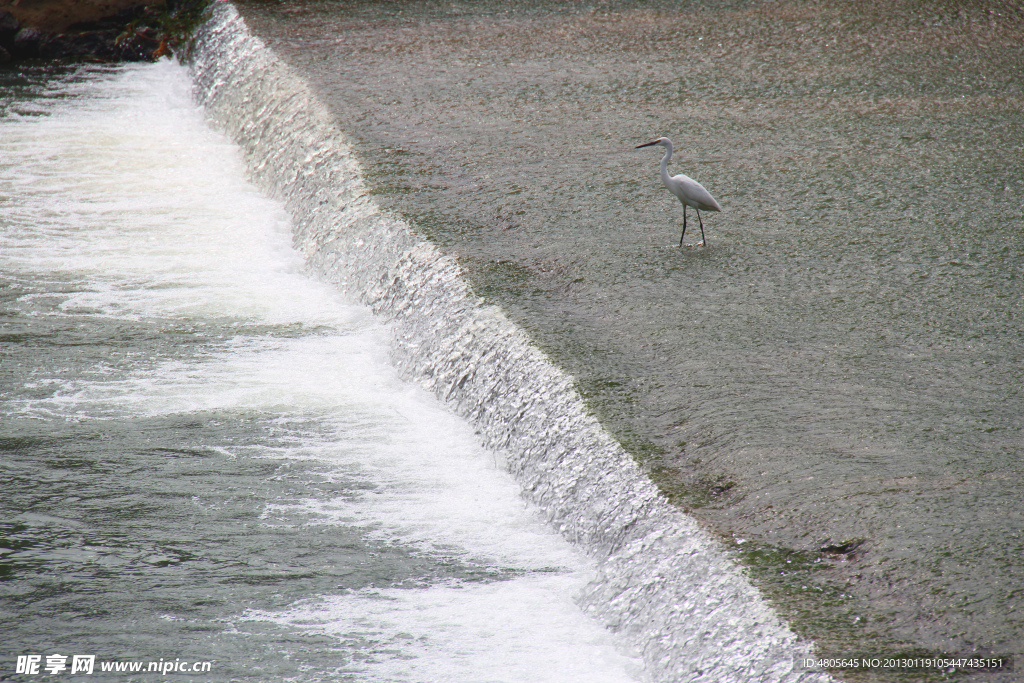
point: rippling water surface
(833, 380)
(206, 457)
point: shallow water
(207, 457)
(834, 378)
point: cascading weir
(663, 585)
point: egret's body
(689, 191)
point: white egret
(689, 191)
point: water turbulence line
(663, 585)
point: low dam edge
(664, 585)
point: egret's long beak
(647, 144)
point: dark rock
(5, 56)
(85, 45)
(9, 26)
(26, 43)
(139, 47)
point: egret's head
(664, 142)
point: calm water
(205, 454)
(835, 377)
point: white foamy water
(125, 216)
(524, 630)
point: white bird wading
(689, 191)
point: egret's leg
(684, 226)
(699, 220)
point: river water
(206, 454)
(832, 382)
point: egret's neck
(664, 162)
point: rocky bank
(98, 30)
